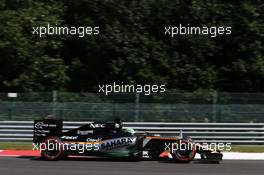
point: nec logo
(97, 125)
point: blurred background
(189, 107)
(214, 86)
(207, 79)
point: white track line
(243, 156)
(226, 156)
(9, 155)
(239, 156)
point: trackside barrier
(235, 133)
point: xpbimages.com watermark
(80, 31)
(52, 146)
(146, 89)
(184, 145)
(212, 31)
(171, 147)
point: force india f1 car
(111, 139)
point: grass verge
(29, 146)
(16, 146)
(248, 148)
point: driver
(128, 131)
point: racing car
(111, 139)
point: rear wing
(45, 128)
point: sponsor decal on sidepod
(113, 143)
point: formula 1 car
(111, 139)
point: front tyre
(183, 151)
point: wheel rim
(184, 155)
(52, 154)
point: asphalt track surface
(95, 166)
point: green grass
(29, 146)
(248, 148)
(16, 145)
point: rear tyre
(52, 149)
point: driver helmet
(129, 130)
